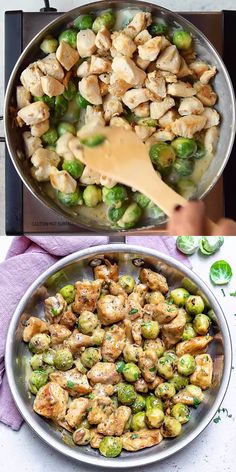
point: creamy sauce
(201, 167)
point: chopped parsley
(222, 290)
(233, 294)
(196, 402)
(152, 369)
(133, 311)
(54, 311)
(91, 396)
(120, 366)
(134, 436)
(70, 384)
(217, 419)
(135, 376)
(89, 409)
(108, 338)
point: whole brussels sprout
(183, 167)
(186, 365)
(158, 29)
(171, 427)
(48, 357)
(49, 45)
(65, 127)
(63, 359)
(98, 336)
(70, 199)
(68, 293)
(71, 91)
(131, 352)
(150, 329)
(127, 282)
(155, 417)
(173, 358)
(179, 295)
(165, 390)
(36, 361)
(50, 137)
(179, 381)
(115, 214)
(37, 379)
(189, 332)
(130, 217)
(139, 404)
(94, 140)
(110, 446)
(165, 367)
(201, 324)
(141, 199)
(61, 105)
(115, 196)
(106, 19)
(186, 188)
(69, 36)
(154, 298)
(90, 356)
(162, 156)
(153, 402)
(120, 365)
(39, 342)
(138, 421)
(92, 196)
(81, 436)
(131, 372)
(74, 168)
(187, 245)
(157, 345)
(126, 393)
(84, 22)
(182, 39)
(194, 305)
(201, 151)
(81, 101)
(184, 147)
(87, 322)
(180, 412)
(72, 113)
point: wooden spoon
(124, 158)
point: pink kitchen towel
(27, 258)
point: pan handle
(116, 239)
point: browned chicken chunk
(100, 408)
(172, 332)
(165, 312)
(153, 280)
(58, 333)
(114, 425)
(112, 309)
(104, 373)
(202, 377)
(34, 326)
(142, 439)
(87, 295)
(106, 271)
(53, 307)
(194, 346)
(113, 343)
(51, 401)
(77, 411)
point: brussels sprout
(184, 147)
(179, 381)
(65, 127)
(120, 365)
(220, 273)
(98, 336)
(179, 295)
(187, 244)
(131, 352)
(74, 168)
(51, 148)
(61, 105)
(131, 372)
(201, 324)
(138, 421)
(158, 29)
(171, 427)
(157, 345)
(165, 390)
(155, 417)
(50, 137)
(139, 404)
(69, 36)
(63, 359)
(81, 101)
(115, 214)
(94, 140)
(180, 412)
(150, 329)
(182, 39)
(68, 293)
(79, 366)
(36, 361)
(49, 369)
(186, 188)
(188, 332)
(87, 322)
(210, 244)
(84, 22)
(165, 367)
(50, 101)
(90, 356)
(171, 356)
(127, 282)
(141, 200)
(148, 122)
(153, 402)
(70, 199)
(162, 156)
(186, 365)
(49, 45)
(201, 151)
(48, 357)
(37, 379)
(106, 19)
(70, 91)
(72, 112)
(110, 446)
(39, 342)
(183, 167)
(131, 217)
(115, 196)
(153, 211)
(92, 196)
(81, 436)
(126, 393)
(194, 304)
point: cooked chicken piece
(188, 396)
(94, 113)
(169, 60)
(153, 280)
(113, 343)
(107, 271)
(64, 424)
(211, 139)
(118, 88)
(139, 293)
(114, 425)
(123, 43)
(104, 373)
(169, 78)
(31, 143)
(31, 80)
(148, 364)
(144, 132)
(206, 94)
(62, 146)
(107, 182)
(112, 309)
(134, 97)
(100, 409)
(104, 88)
(212, 116)
(105, 78)
(142, 110)
(51, 67)
(136, 331)
(77, 411)
(23, 97)
(103, 40)
(83, 69)
(141, 386)
(142, 37)
(61, 180)
(58, 333)
(51, 401)
(87, 295)
(112, 107)
(142, 63)
(89, 89)
(156, 84)
(154, 298)
(169, 117)
(72, 381)
(77, 341)
(131, 351)
(68, 319)
(139, 22)
(86, 43)
(52, 87)
(95, 439)
(39, 129)
(184, 70)
(141, 439)
(135, 308)
(44, 162)
(99, 65)
(150, 50)
(208, 75)
(103, 390)
(161, 135)
(126, 69)
(187, 126)
(181, 89)
(165, 312)
(34, 326)
(160, 107)
(54, 307)
(66, 55)
(194, 346)
(202, 376)
(90, 176)
(172, 332)
(198, 68)
(190, 106)
(34, 113)
(165, 43)
(157, 381)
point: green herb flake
(108, 338)
(91, 396)
(217, 419)
(196, 402)
(70, 384)
(54, 311)
(222, 290)
(233, 294)
(134, 436)
(136, 376)
(89, 409)
(133, 311)
(152, 369)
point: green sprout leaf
(220, 273)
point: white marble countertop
(213, 451)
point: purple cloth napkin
(25, 261)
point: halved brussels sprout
(186, 365)
(68, 293)
(110, 446)
(70, 199)
(162, 156)
(83, 22)
(49, 45)
(92, 196)
(184, 147)
(126, 393)
(69, 36)
(63, 359)
(106, 19)
(130, 217)
(37, 380)
(74, 168)
(131, 372)
(182, 39)
(127, 282)
(138, 421)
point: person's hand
(191, 221)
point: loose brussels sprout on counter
(150, 329)
(208, 245)
(162, 156)
(220, 273)
(126, 393)
(184, 147)
(165, 390)
(179, 296)
(68, 293)
(105, 20)
(110, 446)
(50, 137)
(49, 45)
(69, 36)
(39, 343)
(181, 413)
(92, 196)
(182, 39)
(139, 404)
(37, 380)
(70, 199)
(186, 365)
(187, 244)
(83, 22)
(65, 127)
(138, 421)
(63, 359)
(131, 372)
(130, 217)
(81, 436)
(90, 356)
(171, 427)
(74, 168)
(127, 282)
(154, 417)
(194, 305)
(201, 324)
